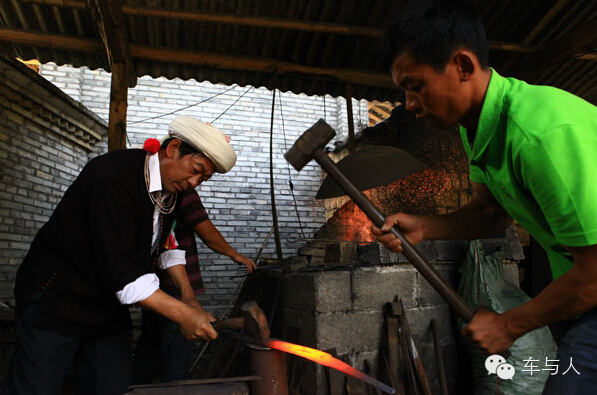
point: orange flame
(357, 225)
(417, 194)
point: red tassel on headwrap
(151, 146)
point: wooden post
(348, 97)
(118, 105)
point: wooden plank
(118, 107)
(52, 41)
(168, 55)
(267, 65)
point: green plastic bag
(483, 285)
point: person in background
(532, 153)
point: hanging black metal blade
(371, 167)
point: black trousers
(41, 359)
(161, 347)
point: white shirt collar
(155, 178)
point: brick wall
(36, 167)
(238, 202)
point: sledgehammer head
(255, 321)
(316, 137)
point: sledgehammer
(253, 320)
(310, 146)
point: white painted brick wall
(238, 202)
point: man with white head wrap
(207, 139)
(161, 340)
(96, 255)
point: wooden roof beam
(267, 22)
(168, 55)
(553, 11)
(577, 43)
(110, 24)
(109, 21)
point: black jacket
(96, 241)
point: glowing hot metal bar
(325, 359)
(312, 354)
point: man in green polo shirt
(533, 157)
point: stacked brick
(342, 309)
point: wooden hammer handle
(228, 324)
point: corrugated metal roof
(254, 37)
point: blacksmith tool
(233, 300)
(396, 368)
(253, 322)
(413, 350)
(441, 370)
(370, 167)
(264, 361)
(394, 308)
(312, 354)
(186, 383)
(310, 146)
(325, 359)
(257, 333)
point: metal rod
(441, 370)
(183, 383)
(271, 183)
(328, 360)
(349, 115)
(431, 275)
(263, 245)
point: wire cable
(288, 166)
(232, 105)
(184, 108)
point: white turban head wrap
(207, 139)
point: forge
(334, 299)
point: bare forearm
(570, 295)
(179, 276)
(469, 222)
(212, 238)
(194, 322)
(166, 305)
